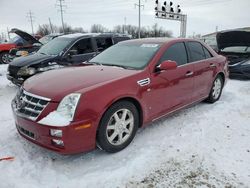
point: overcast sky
(203, 15)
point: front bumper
(77, 137)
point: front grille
(13, 70)
(26, 132)
(29, 105)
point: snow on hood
(54, 119)
(233, 38)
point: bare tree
(98, 28)
(43, 29)
(153, 31)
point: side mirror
(13, 51)
(167, 65)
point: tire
(118, 127)
(216, 90)
(4, 59)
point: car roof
(160, 40)
(80, 35)
(54, 34)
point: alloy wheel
(5, 58)
(120, 127)
(217, 88)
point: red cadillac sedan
(105, 101)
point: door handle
(212, 65)
(189, 73)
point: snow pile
(206, 145)
(3, 81)
(55, 119)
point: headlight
(68, 105)
(247, 63)
(26, 71)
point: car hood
(56, 84)
(30, 60)
(24, 35)
(233, 38)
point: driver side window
(177, 52)
(82, 47)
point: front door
(172, 89)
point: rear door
(204, 68)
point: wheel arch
(222, 76)
(133, 100)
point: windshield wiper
(42, 53)
(122, 66)
(92, 63)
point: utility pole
(216, 28)
(30, 16)
(139, 7)
(61, 9)
(125, 23)
(50, 24)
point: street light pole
(139, 27)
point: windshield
(237, 49)
(135, 56)
(54, 47)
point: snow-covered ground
(203, 146)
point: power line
(139, 7)
(62, 6)
(30, 16)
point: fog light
(56, 133)
(57, 142)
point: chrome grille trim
(36, 96)
(29, 102)
(29, 105)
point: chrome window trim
(194, 62)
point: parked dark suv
(66, 50)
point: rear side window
(103, 43)
(177, 53)
(196, 51)
(207, 53)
